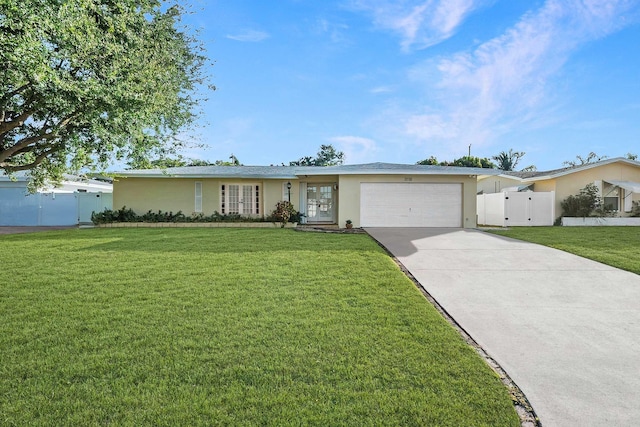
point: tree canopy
(465, 161)
(326, 156)
(181, 161)
(506, 161)
(85, 82)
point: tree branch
(9, 167)
(14, 123)
(42, 135)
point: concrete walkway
(566, 329)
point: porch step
(319, 226)
(328, 228)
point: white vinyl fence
(48, 209)
(516, 209)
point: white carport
(71, 203)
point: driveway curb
(524, 409)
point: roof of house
(294, 172)
(69, 183)
(555, 173)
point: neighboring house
(69, 204)
(618, 180)
(371, 195)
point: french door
(320, 204)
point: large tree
(326, 156)
(85, 82)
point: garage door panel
(411, 204)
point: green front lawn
(227, 327)
(615, 246)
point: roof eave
(585, 167)
(203, 176)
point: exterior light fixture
(289, 191)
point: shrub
(587, 203)
(283, 213)
(162, 217)
(635, 209)
(107, 216)
(128, 215)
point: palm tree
(508, 161)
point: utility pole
(469, 150)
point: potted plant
(349, 224)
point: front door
(320, 203)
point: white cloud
(334, 30)
(356, 149)
(249, 36)
(419, 23)
(381, 89)
(507, 82)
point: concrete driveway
(566, 329)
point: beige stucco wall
(349, 190)
(178, 194)
(165, 194)
(571, 184)
(274, 191)
(495, 184)
(545, 185)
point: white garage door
(410, 204)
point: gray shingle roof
(394, 168)
(565, 171)
(293, 172)
(535, 174)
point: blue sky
(399, 81)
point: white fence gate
(516, 209)
(92, 202)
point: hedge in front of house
(125, 214)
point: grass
(227, 327)
(615, 246)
